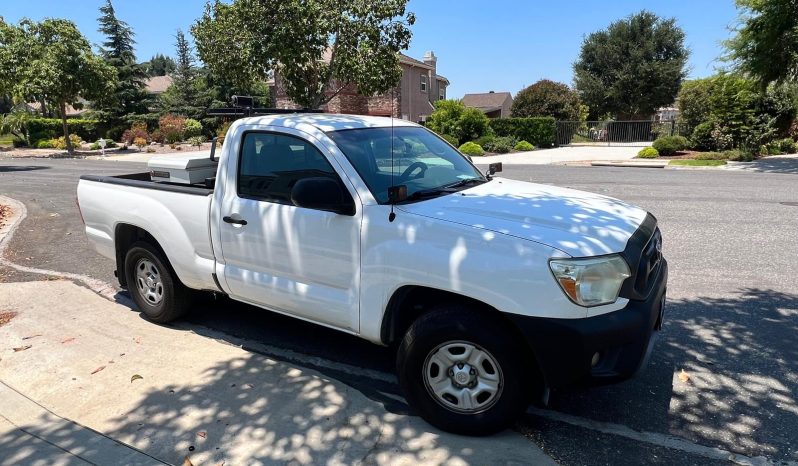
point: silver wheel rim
(148, 282)
(463, 377)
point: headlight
(591, 282)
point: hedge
(51, 128)
(538, 131)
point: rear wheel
(153, 284)
(464, 371)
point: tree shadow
(787, 165)
(20, 168)
(738, 389)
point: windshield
(422, 161)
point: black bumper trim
(623, 338)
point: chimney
(430, 59)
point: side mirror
(322, 194)
(494, 168)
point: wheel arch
(125, 235)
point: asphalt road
(724, 373)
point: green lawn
(5, 139)
(698, 163)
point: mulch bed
(5, 212)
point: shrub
(17, 142)
(648, 153)
(452, 117)
(51, 128)
(524, 146)
(538, 131)
(45, 144)
(223, 129)
(173, 128)
(157, 136)
(137, 131)
(669, 145)
(60, 143)
(140, 143)
(485, 140)
(196, 140)
(450, 139)
(788, 146)
(94, 146)
(501, 145)
(472, 148)
(701, 139)
(774, 148)
(193, 128)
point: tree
(765, 44)
(452, 118)
(188, 95)
(129, 98)
(547, 98)
(159, 65)
(318, 47)
(55, 62)
(633, 67)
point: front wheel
(464, 371)
(152, 284)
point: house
(669, 113)
(157, 85)
(419, 88)
(35, 108)
(493, 104)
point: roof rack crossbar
(245, 106)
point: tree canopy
(52, 61)
(159, 65)
(633, 67)
(188, 95)
(129, 97)
(317, 47)
(547, 98)
(765, 44)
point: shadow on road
(738, 353)
(770, 165)
(20, 168)
(738, 389)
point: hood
(575, 222)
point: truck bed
(142, 180)
(176, 215)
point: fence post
(673, 127)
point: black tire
(454, 323)
(175, 297)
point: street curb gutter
(63, 436)
(18, 214)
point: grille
(648, 266)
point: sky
(496, 45)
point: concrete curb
(628, 164)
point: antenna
(392, 194)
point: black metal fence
(627, 133)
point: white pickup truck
(492, 291)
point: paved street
(724, 374)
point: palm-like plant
(16, 123)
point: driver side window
(270, 164)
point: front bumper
(565, 348)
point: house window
(423, 83)
(442, 94)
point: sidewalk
(561, 155)
(170, 393)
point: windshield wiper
(466, 182)
(429, 193)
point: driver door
(293, 260)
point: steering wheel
(413, 167)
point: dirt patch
(6, 316)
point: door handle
(237, 221)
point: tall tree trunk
(67, 141)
